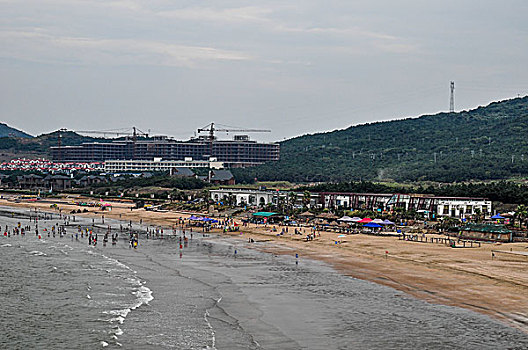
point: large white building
(158, 164)
(431, 206)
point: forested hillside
(488, 142)
(8, 131)
(42, 143)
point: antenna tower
(452, 98)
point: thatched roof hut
(327, 216)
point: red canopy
(365, 220)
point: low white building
(158, 164)
(461, 207)
(242, 197)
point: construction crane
(210, 128)
(134, 132)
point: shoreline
(463, 277)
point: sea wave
(37, 253)
(213, 334)
(143, 297)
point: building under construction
(237, 152)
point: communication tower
(452, 98)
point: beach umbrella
(388, 222)
(498, 216)
(356, 219)
(372, 224)
(192, 217)
(365, 220)
(345, 219)
(377, 221)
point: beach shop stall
(265, 217)
(486, 232)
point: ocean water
(213, 293)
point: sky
(295, 67)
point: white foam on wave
(104, 344)
(121, 314)
(143, 297)
(143, 294)
(213, 334)
(134, 281)
(88, 296)
(6, 245)
(37, 253)
(118, 263)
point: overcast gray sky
(296, 67)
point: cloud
(251, 14)
(352, 31)
(39, 46)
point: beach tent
(365, 220)
(372, 224)
(192, 217)
(345, 219)
(377, 221)
(498, 216)
(388, 222)
(356, 219)
(264, 214)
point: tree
(306, 198)
(478, 215)
(522, 214)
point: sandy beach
(463, 277)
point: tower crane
(210, 128)
(134, 132)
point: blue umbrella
(498, 216)
(372, 224)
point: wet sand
(463, 277)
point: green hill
(488, 142)
(8, 131)
(22, 146)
